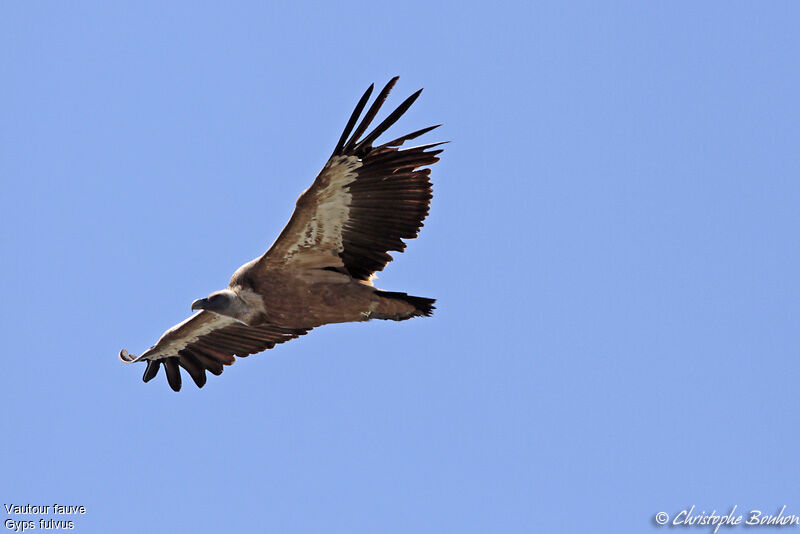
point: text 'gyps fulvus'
(363, 203)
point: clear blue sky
(612, 243)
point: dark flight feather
(353, 118)
(387, 123)
(173, 374)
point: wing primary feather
(152, 370)
(194, 368)
(387, 122)
(353, 118)
(413, 135)
(173, 373)
(426, 147)
(371, 112)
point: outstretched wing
(206, 342)
(364, 202)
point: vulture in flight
(363, 203)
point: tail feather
(422, 306)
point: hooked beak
(199, 304)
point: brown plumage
(366, 200)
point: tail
(402, 306)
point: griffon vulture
(363, 203)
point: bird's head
(219, 302)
